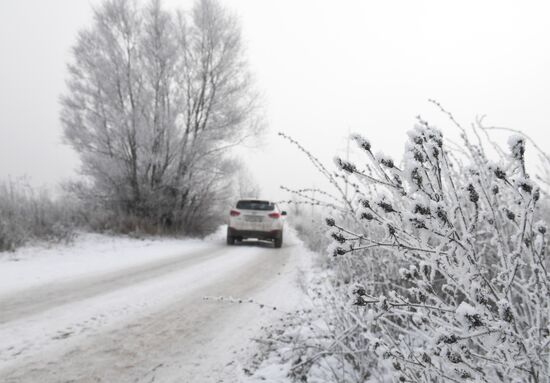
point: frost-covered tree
(154, 100)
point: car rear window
(255, 205)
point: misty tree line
(156, 99)
(28, 213)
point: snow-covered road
(143, 318)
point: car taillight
(234, 213)
(274, 215)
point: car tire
(230, 239)
(279, 242)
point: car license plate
(252, 218)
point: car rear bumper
(273, 234)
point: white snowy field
(112, 309)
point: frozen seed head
(338, 237)
(330, 222)
(474, 196)
(499, 173)
(405, 273)
(454, 357)
(526, 187)
(474, 320)
(339, 251)
(504, 311)
(387, 207)
(436, 136)
(426, 358)
(442, 215)
(417, 140)
(360, 301)
(387, 163)
(419, 209)
(517, 146)
(536, 194)
(418, 223)
(416, 178)
(385, 160)
(346, 166)
(383, 303)
(367, 216)
(447, 339)
(362, 142)
(419, 156)
(426, 270)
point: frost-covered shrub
(27, 214)
(444, 256)
(305, 216)
(473, 301)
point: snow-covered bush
(27, 214)
(474, 298)
(454, 281)
(307, 219)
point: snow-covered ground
(120, 309)
(91, 254)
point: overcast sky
(324, 68)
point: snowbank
(89, 254)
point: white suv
(253, 218)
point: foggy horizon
(323, 68)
